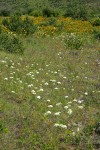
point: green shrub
(10, 43)
(95, 22)
(73, 41)
(28, 27)
(48, 12)
(5, 13)
(77, 10)
(16, 24)
(96, 34)
(35, 13)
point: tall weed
(73, 41)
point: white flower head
(5, 78)
(56, 124)
(60, 125)
(58, 104)
(33, 92)
(46, 83)
(81, 107)
(78, 129)
(59, 82)
(69, 111)
(30, 85)
(80, 101)
(63, 126)
(41, 90)
(56, 88)
(38, 97)
(13, 92)
(48, 100)
(48, 113)
(64, 77)
(50, 106)
(66, 107)
(57, 113)
(75, 100)
(86, 93)
(66, 96)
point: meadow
(50, 93)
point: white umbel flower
(60, 125)
(38, 97)
(47, 113)
(57, 113)
(69, 111)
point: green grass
(57, 74)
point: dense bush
(35, 13)
(10, 43)
(4, 13)
(96, 34)
(48, 12)
(95, 22)
(77, 10)
(16, 24)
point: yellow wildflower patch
(61, 24)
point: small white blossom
(59, 82)
(48, 112)
(30, 85)
(72, 89)
(12, 67)
(33, 92)
(69, 112)
(46, 83)
(13, 92)
(66, 96)
(41, 90)
(66, 107)
(78, 129)
(11, 77)
(58, 104)
(63, 126)
(48, 100)
(73, 133)
(38, 97)
(69, 102)
(81, 107)
(57, 113)
(56, 124)
(5, 78)
(56, 88)
(53, 80)
(75, 100)
(86, 93)
(80, 101)
(64, 77)
(60, 125)
(50, 106)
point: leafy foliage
(73, 41)
(96, 34)
(96, 22)
(10, 43)
(16, 24)
(76, 9)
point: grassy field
(49, 97)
